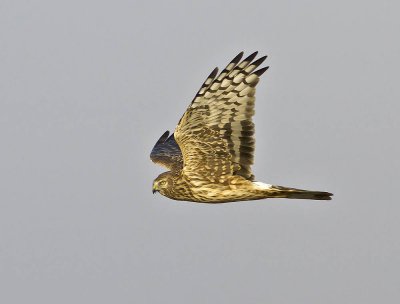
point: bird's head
(163, 183)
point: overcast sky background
(87, 87)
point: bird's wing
(218, 124)
(167, 153)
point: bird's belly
(220, 194)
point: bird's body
(212, 149)
(235, 188)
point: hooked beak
(155, 189)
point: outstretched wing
(167, 153)
(217, 130)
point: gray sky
(87, 87)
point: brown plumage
(212, 149)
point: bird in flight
(209, 156)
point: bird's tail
(285, 192)
(272, 191)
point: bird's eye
(162, 183)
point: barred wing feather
(218, 124)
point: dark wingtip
(251, 57)
(160, 141)
(213, 73)
(163, 137)
(237, 58)
(170, 137)
(261, 71)
(259, 61)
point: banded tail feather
(273, 191)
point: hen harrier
(212, 149)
